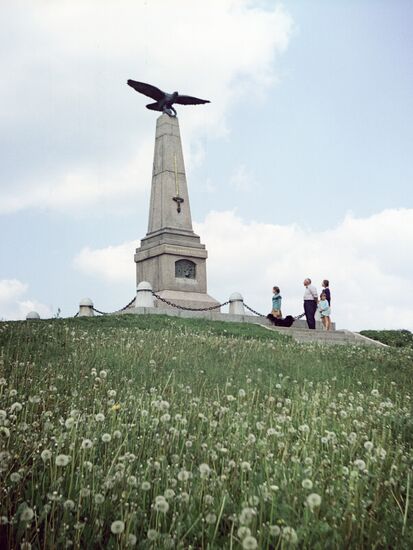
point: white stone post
(86, 308)
(32, 315)
(236, 304)
(144, 296)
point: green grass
(395, 338)
(212, 435)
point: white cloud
(242, 180)
(73, 126)
(114, 264)
(367, 260)
(14, 304)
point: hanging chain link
(253, 311)
(117, 311)
(188, 308)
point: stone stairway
(333, 337)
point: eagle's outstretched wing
(147, 89)
(188, 100)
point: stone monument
(171, 257)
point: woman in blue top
(276, 303)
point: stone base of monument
(185, 299)
(299, 331)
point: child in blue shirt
(324, 309)
(276, 303)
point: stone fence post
(144, 296)
(32, 315)
(86, 308)
(236, 304)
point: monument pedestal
(171, 257)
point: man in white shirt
(310, 303)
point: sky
(301, 165)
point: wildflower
(245, 466)
(313, 500)
(307, 484)
(381, 452)
(16, 407)
(204, 470)
(15, 477)
(161, 504)
(242, 393)
(27, 514)
(3, 415)
(5, 431)
(99, 498)
(85, 492)
(368, 445)
(275, 530)
(183, 475)
(117, 527)
(169, 493)
(106, 438)
(25, 546)
(99, 417)
(69, 423)
(111, 393)
(249, 543)
(62, 460)
(210, 518)
(132, 539)
(243, 532)
(152, 534)
(103, 374)
(132, 481)
(360, 464)
(46, 455)
(117, 434)
(69, 505)
(289, 534)
(304, 428)
(87, 444)
(115, 407)
(145, 485)
(246, 516)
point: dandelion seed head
(117, 527)
(27, 514)
(313, 500)
(62, 460)
(307, 484)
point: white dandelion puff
(62, 460)
(117, 527)
(313, 500)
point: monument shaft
(171, 256)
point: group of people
(312, 303)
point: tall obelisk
(171, 256)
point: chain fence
(183, 308)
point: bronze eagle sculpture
(163, 101)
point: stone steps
(334, 337)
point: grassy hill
(158, 432)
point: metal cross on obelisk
(179, 200)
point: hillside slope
(157, 432)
